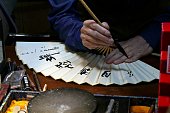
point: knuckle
(95, 33)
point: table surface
(148, 89)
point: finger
(92, 45)
(120, 60)
(88, 22)
(132, 59)
(115, 57)
(100, 37)
(94, 41)
(129, 50)
(97, 36)
(111, 54)
(101, 29)
(88, 44)
(106, 25)
(93, 31)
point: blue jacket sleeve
(152, 33)
(66, 22)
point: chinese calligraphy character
(130, 73)
(106, 74)
(48, 57)
(84, 71)
(59, 65)
(66, 64)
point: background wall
(31, 16)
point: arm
(66, 22)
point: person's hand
(135, 48)
(95, 36)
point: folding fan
(56, 60)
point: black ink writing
(40, 50)
(130, 73)
(106, 74)
(48, 57)
(65, 64)
(84, 71)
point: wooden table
(149, 89)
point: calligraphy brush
(98, 21)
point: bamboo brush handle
(91, 12)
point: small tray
(16, 95)
(121, 103)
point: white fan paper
(56, 60)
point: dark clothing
(126, 18)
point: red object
(164, 82)
(3, 91)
